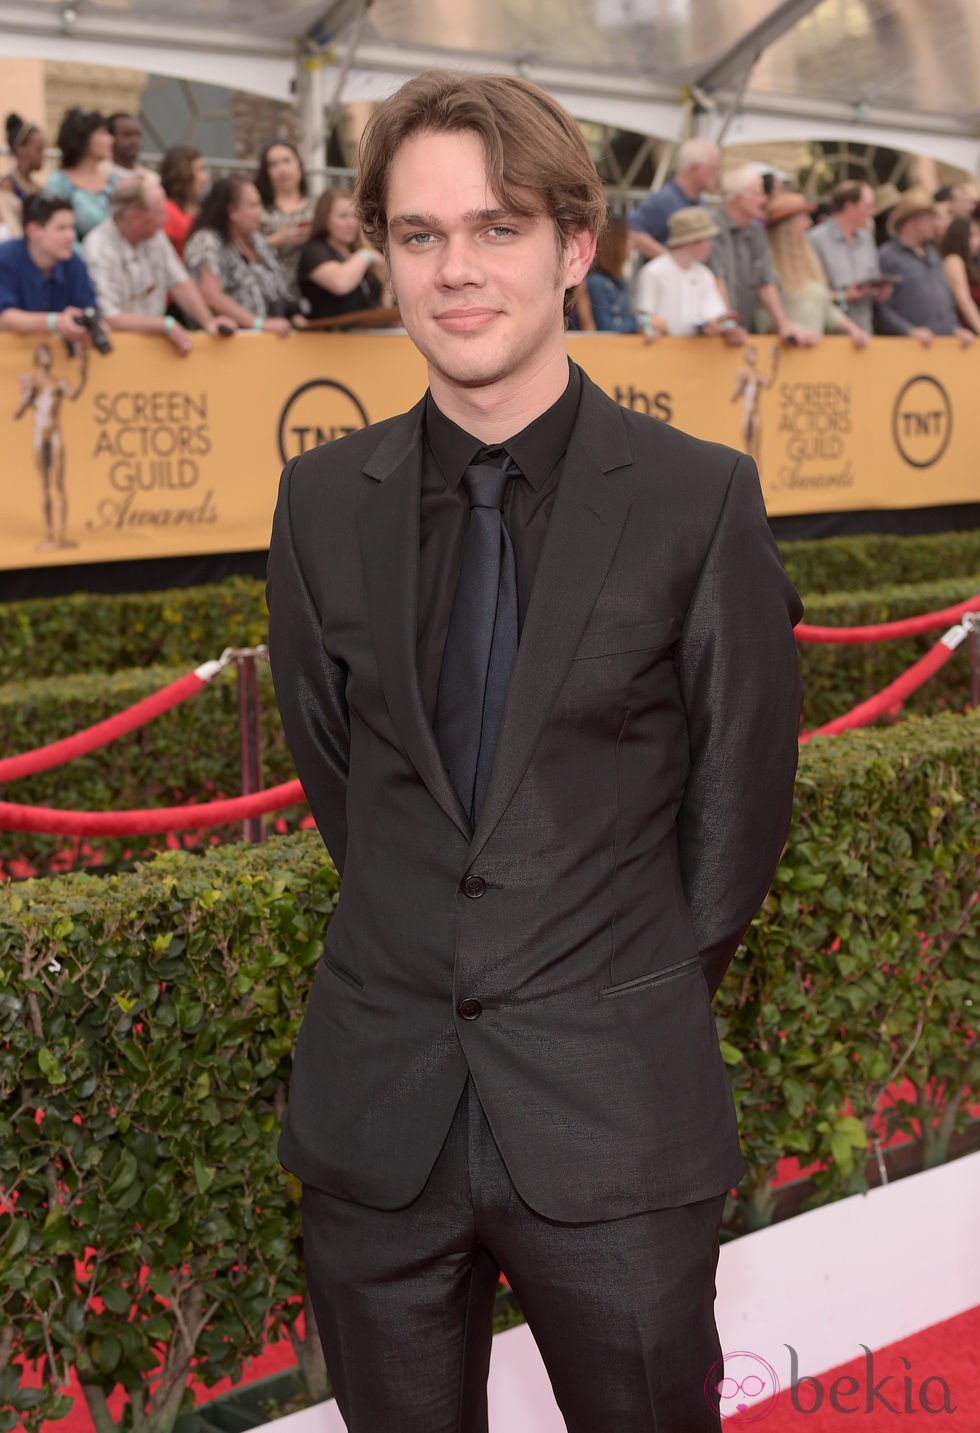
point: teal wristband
(258, 324)
(168, 323)
(52, 322)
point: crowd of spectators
(710, 252)
(736, 252)
(107, 238)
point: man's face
(705, 175)
(51, 243)
(138, 224)
(918, 229)
(480, 289)
(862, 213)
(750, 202)
(127, 136)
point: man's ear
(579, 253)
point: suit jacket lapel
(583, 534)
(388, 530)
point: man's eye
(419, 240)
(503, 231)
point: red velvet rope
(56, 753)
(889, 697)
(888, 631)
(153, 819)
(199, 817)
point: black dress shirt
(538, 450)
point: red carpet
(907, 1390)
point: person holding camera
(44, 285)
(234, 263)
(134, 267)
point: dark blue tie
(481, 644)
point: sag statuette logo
(922, 421)
(319, 411)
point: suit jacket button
(470, 1009)
(474, 886)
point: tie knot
(487, 476)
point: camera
(91, 319)
(287, 308)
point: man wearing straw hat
(921, 306)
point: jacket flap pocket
(656, 977)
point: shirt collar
(535, 449)
(925, 257)
(57, 275)
(836, 232)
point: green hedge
(850, 564)
(92, 632)
(836, 678)
(863, 969)
(98, 632)
(150, 1017)
(189, 754)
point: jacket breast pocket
(642, 637)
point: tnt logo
(922, 421)
(318, 412)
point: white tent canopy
(897, 73)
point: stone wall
(98, 87)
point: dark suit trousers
(622, 1311)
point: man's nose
(460, 264)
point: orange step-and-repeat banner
(142, 453)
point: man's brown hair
(849, 191)
(536, 155)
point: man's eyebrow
(472, 216)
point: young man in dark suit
(535, 660)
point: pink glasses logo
(743, 1388)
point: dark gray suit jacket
(639, 801)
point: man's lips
(462, 320)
